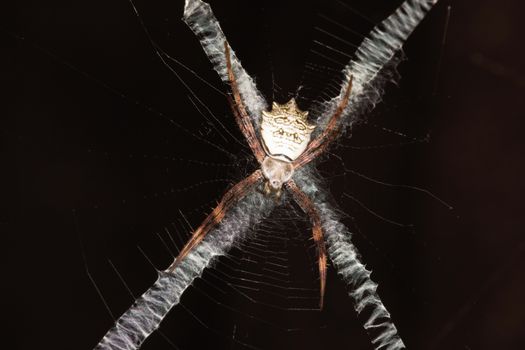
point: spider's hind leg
(231, 197)
(317, 232)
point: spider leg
(329, 134)
(317, 232)
(241, 116)
(215, 217)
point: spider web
(183, 155)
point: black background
(87, 174)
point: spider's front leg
(239, 111)
(329, 134)
(317, 232)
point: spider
(283, 148)
(281, 140)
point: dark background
(95, 128)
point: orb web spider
(280, 139)
(285, 147)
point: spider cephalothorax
(276, 172)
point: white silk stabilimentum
(377, 55)
(375, 63)
(199, 17)
(148, 311)
(345, 260)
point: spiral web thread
(378, 51)
(148, 311)
(344, 257)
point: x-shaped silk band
(243, 206)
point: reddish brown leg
(306, 204)
(231, 197)
(321, 142)
(241, 116)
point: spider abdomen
(285, 132)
